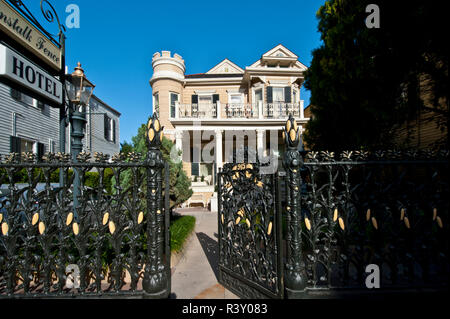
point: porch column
(179, 141)
(302, 115)
(218, 110)
(218, 151)
(260, 143)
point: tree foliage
(180, 185)
(365, 82)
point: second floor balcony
(218, 111)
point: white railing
(282, 110)
(240, 110)
(199, 110)
(277, 110)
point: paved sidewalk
(195, 274)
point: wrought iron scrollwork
(248, 242)
(118, 241)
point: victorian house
(212, 110)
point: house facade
(102, 132)
(225, 107)
(28, 125)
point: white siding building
(27, 125)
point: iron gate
(250, 259)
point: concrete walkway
(194, 272)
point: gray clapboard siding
(31, 122)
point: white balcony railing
(200, 110)
(278, 110)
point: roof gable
(225, 67)
(280, 51)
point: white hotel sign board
(21, 30)
(18, 69)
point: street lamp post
(79, 91)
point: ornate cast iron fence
(250, 261)
(388, 208)
(114, 244)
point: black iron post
(155, 280)
(295, 275)
(78, 121)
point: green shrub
(180, 228)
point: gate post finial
(156, 271)
(295, 274)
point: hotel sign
(20, 70)
(21, 30)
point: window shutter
(40, 151)
(194, 99)
(14, 144)
(114, 131)
(287, 94)
(195, 169)
(105, 120)
(215, 98)
(269, 94)
(16, 95)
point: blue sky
(116, 41)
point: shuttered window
(269, 94)
(107, 127)
(287, 94)
(14, 144)
(195, 169)
(40, 151)
(173, 100)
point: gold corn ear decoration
(407, 224)
(335, 216)
(105, 218)
(434, 213)
(156, 125)
(5, 229)
(247, 222)
(161, 136)
(439, 221)
(222, 218)
(1, 217)
(35, 219)
(112, 227)
(69, 218)
(374, 223)
(307, 223)
(140, 217)
(292, 135)
(368, 214)
(151, 134)
(238, 220)
(341, 223)
(75, 228)
(41, 228)
(269, 229)
(402, 214)
(288, 125)
(295, 125)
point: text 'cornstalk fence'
(115, 243)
